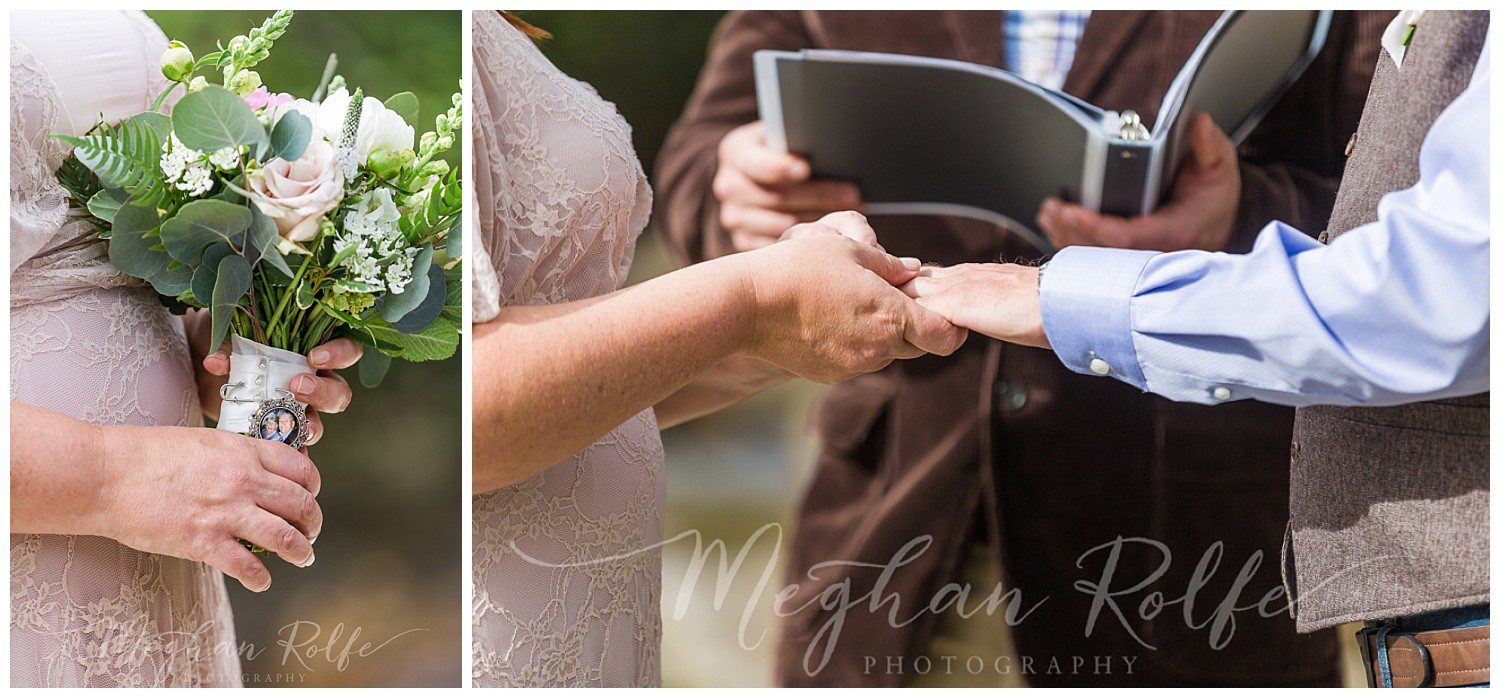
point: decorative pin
(281, 419)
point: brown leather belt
(1433, 658)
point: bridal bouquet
(292, 221)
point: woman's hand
(195, 493)
(324, 391)
(827, 307)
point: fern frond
(127, 157)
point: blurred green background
(389, 556)
(731, 473)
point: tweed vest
(1390, 505)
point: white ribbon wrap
(257, 372)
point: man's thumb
(1209, 144)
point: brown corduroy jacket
(1003, 442)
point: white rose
(298, 194)
(378, 126)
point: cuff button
(1220, 393)
(1099, 366)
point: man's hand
(827, 308)
(1199, 215)
(762, 191)
(998, 300)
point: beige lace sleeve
(38, 204)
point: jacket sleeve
(686, 211)
(1291, 164)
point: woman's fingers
(291, 502)
(339, 353)
(328, 392)
(217, 363)
(290, 464)
(231, 558)
(276, 535)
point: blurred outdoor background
(733, 473)
(389, 555)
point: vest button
(1349, 147)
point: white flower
(186, 169)
(378, 125)
(380, 257)
(226, 159)
(398, 274)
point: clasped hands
(763, 192)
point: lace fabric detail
(94, 344)
(563, 594)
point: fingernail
(911, 263)
(303, 385)
(318, 356)
(312, 541)
(262, 589)
(310, 558)
(797, 169)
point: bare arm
(727, 383)
(549, 380)
(186, 492)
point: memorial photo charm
(280, 420)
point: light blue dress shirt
(1391, 312)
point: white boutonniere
(1398, 34)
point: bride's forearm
(550, 380)
(55, 486)
(727, 383)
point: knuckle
(287, 538)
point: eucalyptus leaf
(214, 118)
(174, 281)
(372, 368)
(456, 238)
(133, 242)
(206, 275)
(290, 136)
(104, 204)
(262, 240)
(429, 309)
(394, 306)
(199, 224)
(232, 283)
(405, 105)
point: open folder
(930, 136)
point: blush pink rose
(298, 194)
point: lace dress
(91, 343)
(561, 198)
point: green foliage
(105, 203)
(230, 286)
(127, 156)
(290, 136)
(200, 224)
(214, 118)
(394, 306)
(372, 368)
(135, 247)
(405, 105)
(438, 212)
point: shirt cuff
(1086, 295)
